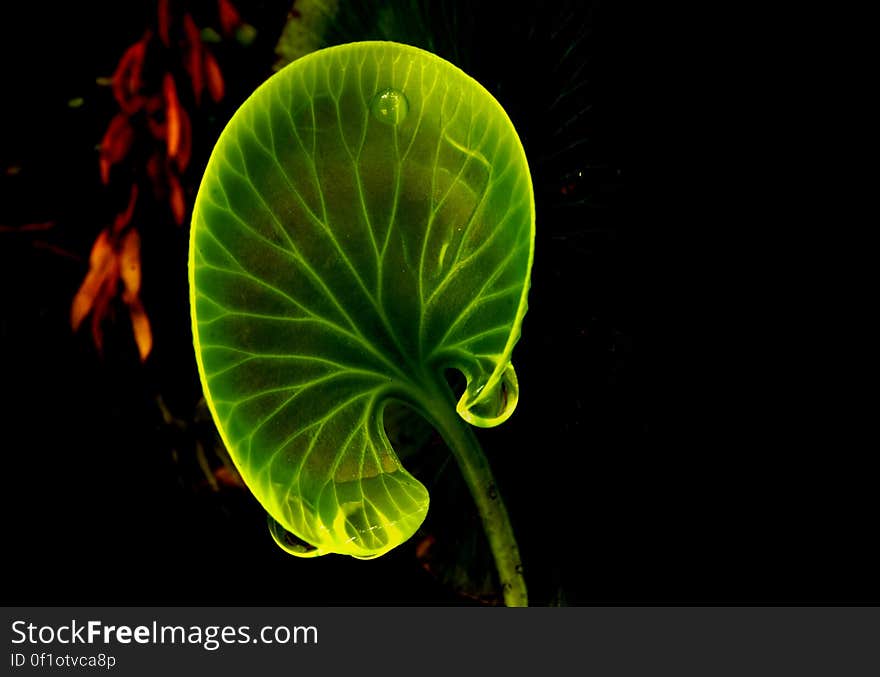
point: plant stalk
(460, 438)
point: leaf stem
(460, 438)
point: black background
(667, 447)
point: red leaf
(216, 86)
(127, 80)
(154, 104)
(423, 547)
(157, 129)
(184, 151)
(164, 22)
(123, 218)
(115, 144)
(228, 478)
(154, 171)
(229, 17)
(176, 199)
(193, 57)
(172, 115)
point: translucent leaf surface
(366, 221)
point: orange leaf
(229, 17)
(102, 304)
(85, 298)
(130, 266)
(99, 266)
(140, 323)
(115, 144)
(123, 218)
(164, 22)
(101, 263)
(193, 58)
(216, 86)
(102, 250)
(172, 114)
(178, 205)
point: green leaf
(365, 222)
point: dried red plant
(152, 117)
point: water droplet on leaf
(390, 106)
